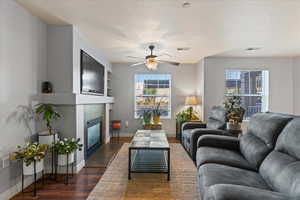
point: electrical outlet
(5, 162)
(126, 124)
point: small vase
(46, 138)
(62, 159)
(29, 170)
(156, 119)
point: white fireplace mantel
(72, 99)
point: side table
(235, 132)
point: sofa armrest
(219, 141)
(198, 132)
(230, 192)
(192, 125)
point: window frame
(170, 94)
(265, 83)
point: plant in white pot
(66, 150)
(49, 114)
(31, 154)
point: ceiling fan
(151, 61)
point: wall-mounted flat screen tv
(92, 75)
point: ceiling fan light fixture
(151, 63)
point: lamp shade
(191, 100)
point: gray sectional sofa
(263, 164)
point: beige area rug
(114, 184)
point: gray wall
(281, 86)
(183, 84)
(296, 78)
(22, 68)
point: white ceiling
(122, 28)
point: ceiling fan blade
(133, 57)
(164, 54)
(169, 62)
(137, 64)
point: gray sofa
(191, 131)
(263, 164)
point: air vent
(253, 49)
(183, 48)
(186, 4)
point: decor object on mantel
(47, 87)
(32, 156)
(235, 112)
(151, 61)
(49, 114)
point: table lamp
(191, 101)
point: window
(150, 89)
(252, 86)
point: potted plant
(66, 150)
(31, 153)
(156, 111)
(146, 117)
(49, 114)
(235, 112)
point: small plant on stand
(32, 156)
(66, 148)
(30, 153)
(66, 153)
(49, 114)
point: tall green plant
(48, 113)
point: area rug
(114, 184)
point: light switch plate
(5, 162)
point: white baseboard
(15, 189)
(80, 165)
(12, 191)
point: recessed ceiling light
(183, 48)
(186, 4)
(253, 48)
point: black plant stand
(53, 155)
(35, 180)
(67, 170)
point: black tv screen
(92, 75)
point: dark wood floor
(80, 185)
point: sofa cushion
(217, 118)
(222, 156)
(238, 192)
(281, 168)
(212, 174)
(259, 141)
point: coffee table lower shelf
(149, 161)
